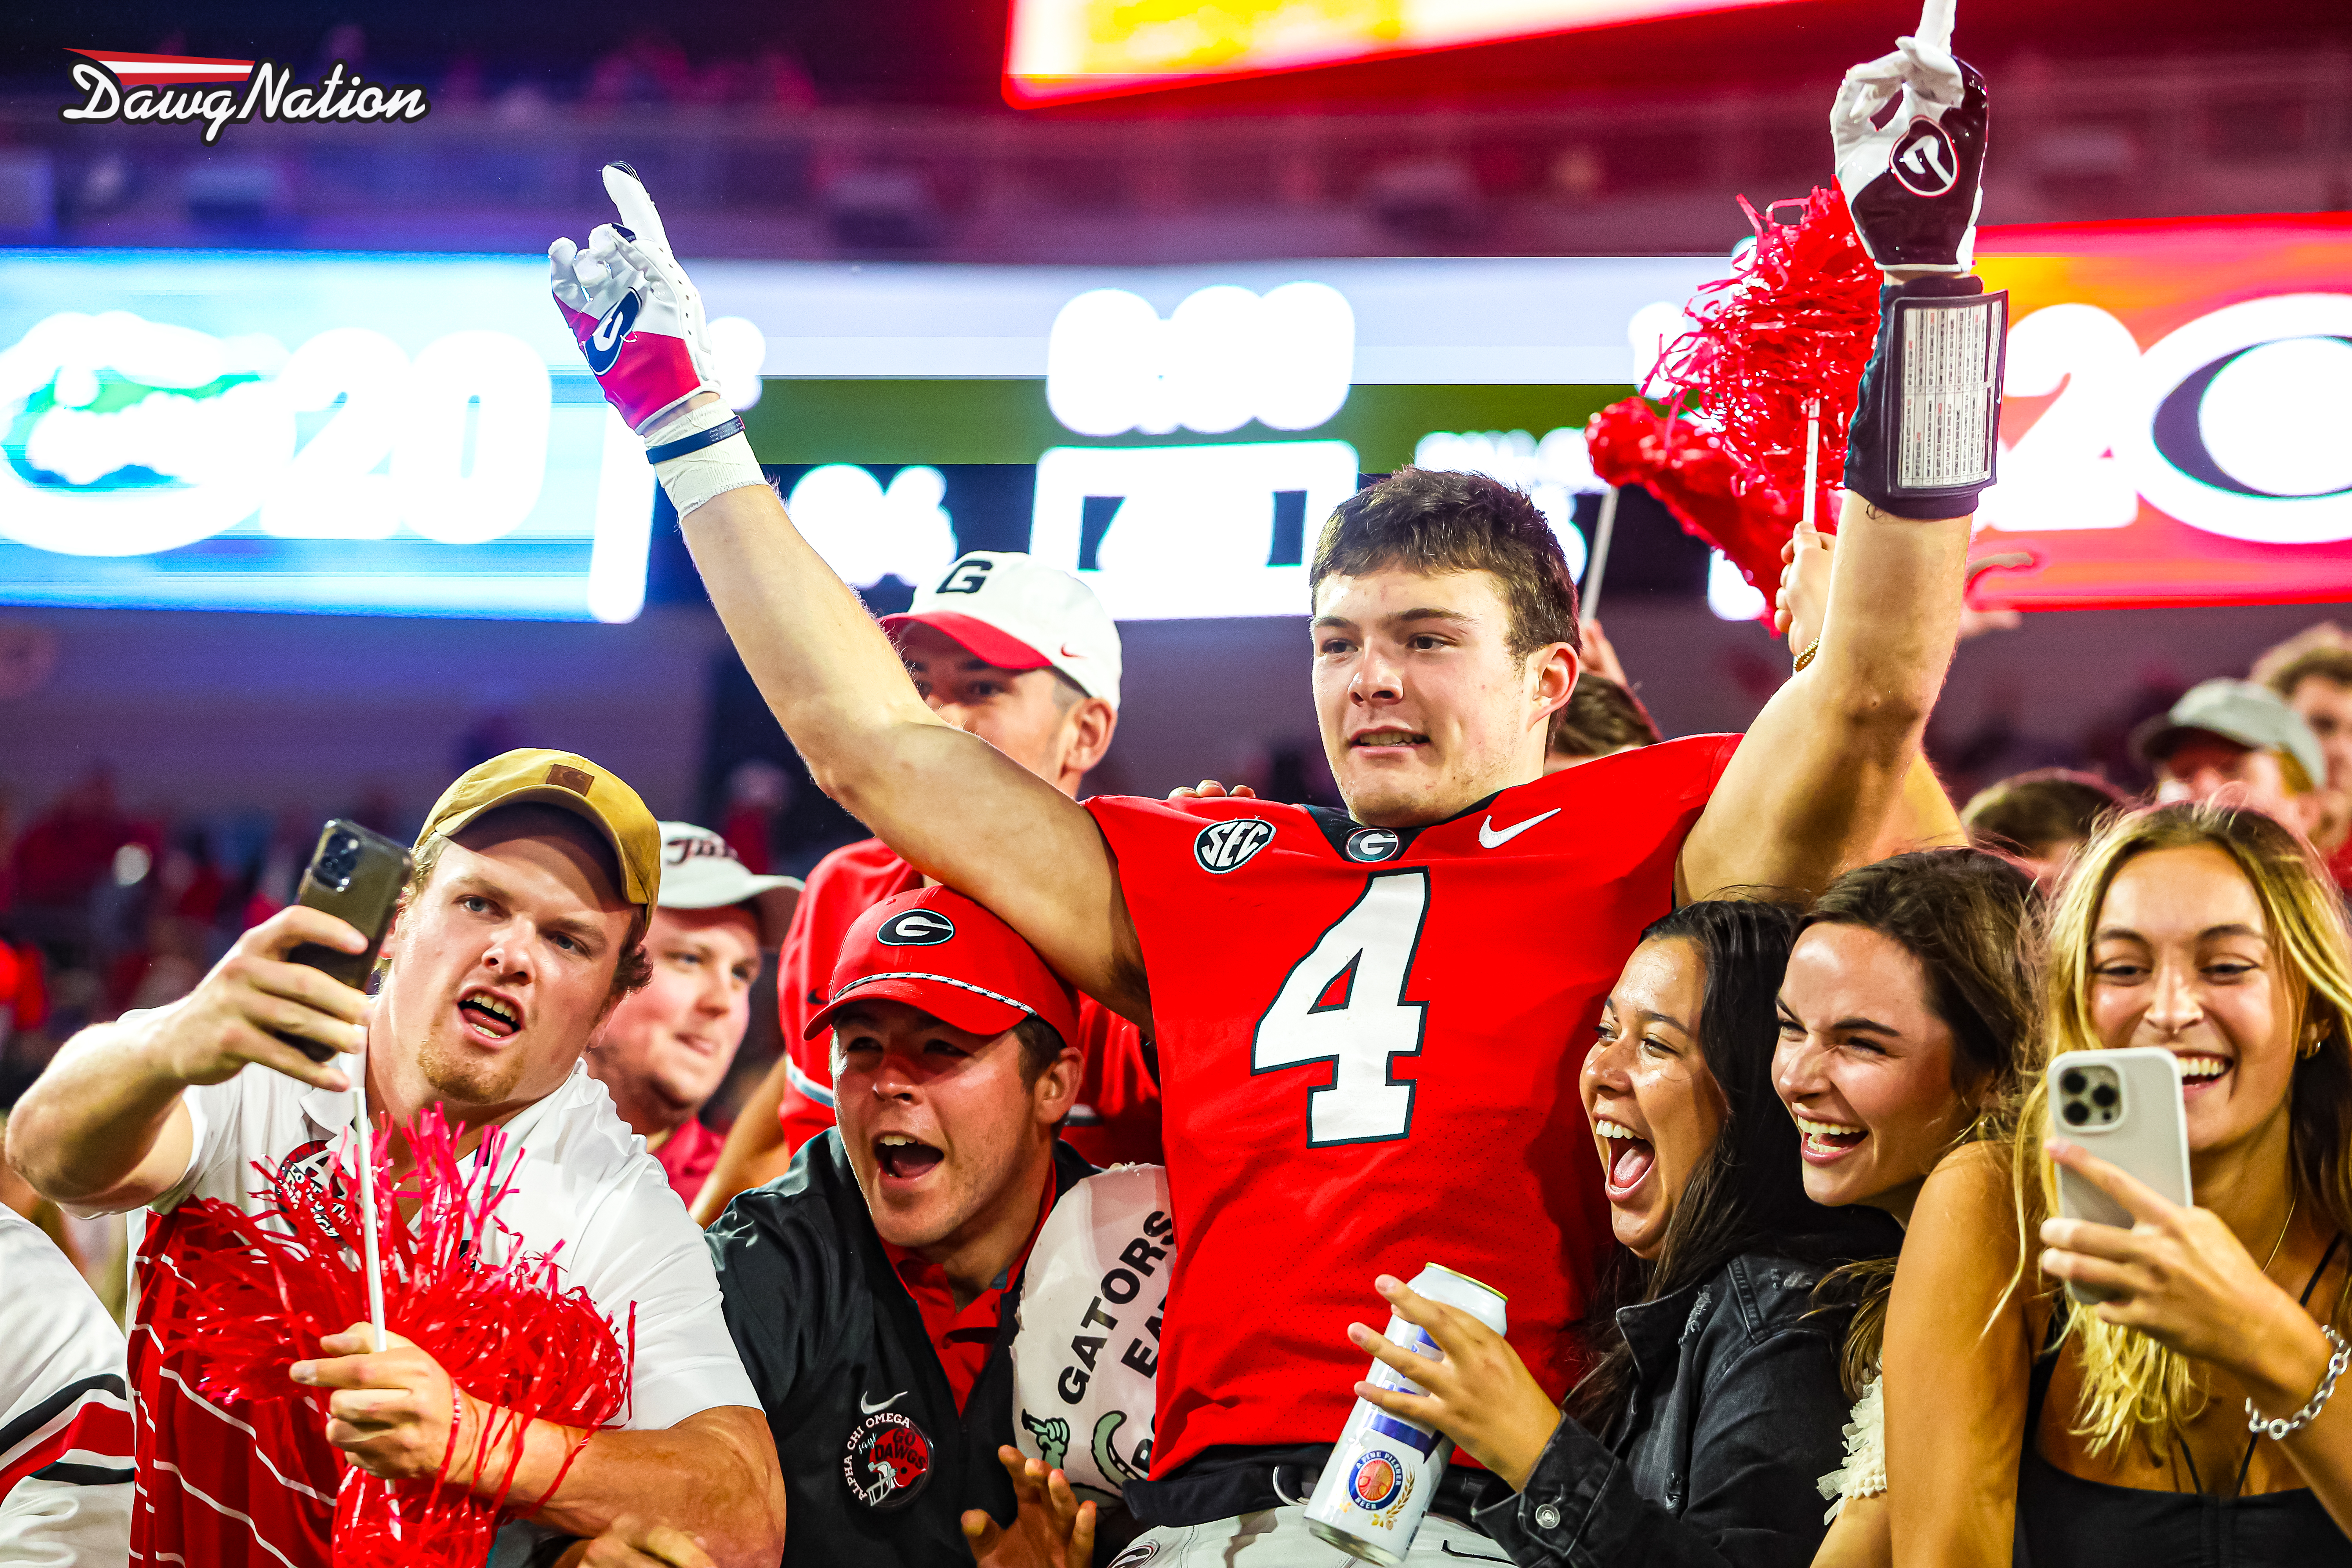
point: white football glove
(635, 314)
(1914, 184)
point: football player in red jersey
(1026, 658)
(1369, 1023)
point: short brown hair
(2047, 805)
(635, 968)
(1426, 520)
(1600, 717)
(1040, 1045)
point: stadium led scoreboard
(412, 435)
(1061, 50)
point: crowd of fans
(1725, 1063)
(112, 913)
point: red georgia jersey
(1370, 1041)
(229, 1483)
(1117, 1119)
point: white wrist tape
(694, 478)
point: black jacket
(1736, 1415)
(878, 1464)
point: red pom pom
(262, 1292)
(1788, 332)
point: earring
(2312, 1049)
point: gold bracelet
(1806, 657)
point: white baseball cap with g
(701, 871)
(1018, 612)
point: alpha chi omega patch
(886, 1461)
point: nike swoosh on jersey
(866, 1409)
(1490, 839)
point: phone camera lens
(2073, 1082)
(338, 860)
(2075, 1112)
(2105, 1095)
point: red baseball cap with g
(934, 949)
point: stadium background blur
(164, 771)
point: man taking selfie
(523, 925)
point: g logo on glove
(1925, 159)
(603, 344)
(631, 309)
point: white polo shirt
(579, 1177)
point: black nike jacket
(878, 1464)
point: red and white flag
(166, 70)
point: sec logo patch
(1223, 846)
(886, 1461)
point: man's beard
(469, 1078)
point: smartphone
(357, 876)
(2124, 1107)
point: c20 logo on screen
(2233, 423)
(126, 435)
(1225, 847)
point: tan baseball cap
(567, 780)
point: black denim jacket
(1737, 1414)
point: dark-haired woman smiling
(1716, 1400)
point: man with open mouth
(873, 1288)
(521, 926)
(1008, 649)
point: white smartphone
(2123, 1106)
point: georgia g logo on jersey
(603, 344)
(1924, 162)
(1223, 846)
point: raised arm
(954, 806)
(947, 801)
(104, 1128)
(1811, 788)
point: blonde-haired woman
(2190, 1419)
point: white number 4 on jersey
(1367, 957)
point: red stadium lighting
(1060, 51)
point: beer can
(1384, 1469)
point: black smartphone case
(360, 886)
